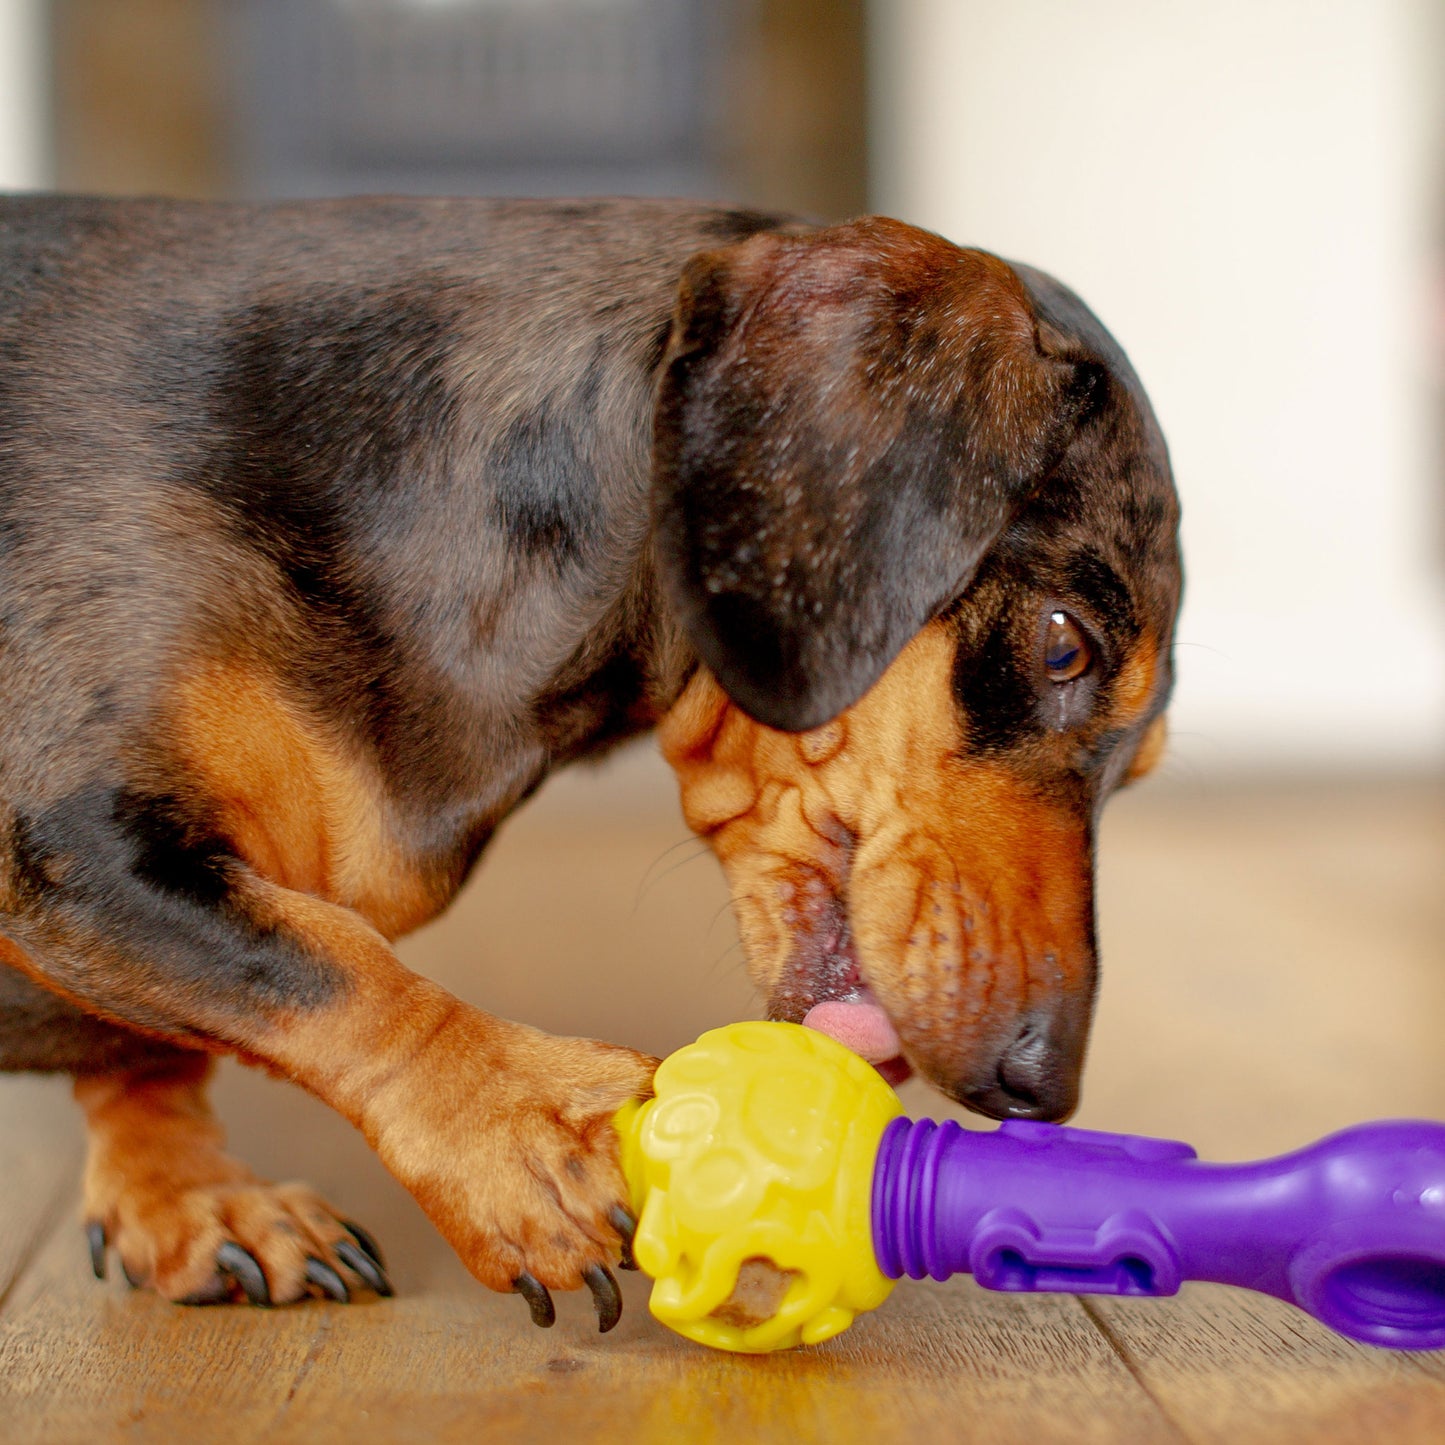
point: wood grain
(1273, 970)
(1241, 1368)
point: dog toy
(779, 1192)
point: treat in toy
(779, 1192)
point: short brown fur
(939, 861)
(292, 804)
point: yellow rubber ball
(751, 1172)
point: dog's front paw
(505, 1137)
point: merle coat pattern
(328, 531)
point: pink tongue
(861, 1026)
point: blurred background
(1249, 193)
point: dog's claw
(243, 1267)
(626, 1226)
(544, 1312)
(367, 1243)
(95, 1237)
(605, 1295)
(134, 1281)
(365, 1266)
(326, 1279)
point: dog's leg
(502, 1133)
(186, 1218)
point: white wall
(1239, 190)
(24, 132)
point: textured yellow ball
(751, 1172)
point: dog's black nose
(1036, 1075)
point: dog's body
(328, 531)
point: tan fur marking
(1132, 692)
(969, 895)
(294, 805)
(1150, 750)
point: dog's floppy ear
(846, 420)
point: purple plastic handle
(1351, 1229)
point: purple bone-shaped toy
(1351, 1229)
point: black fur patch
(157, 885)
(544, 484)
(1090, 579)
(996, 692)
(737, 225)
(331, 400)
(171, 852)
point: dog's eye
(1067, 654)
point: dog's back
(346, 446)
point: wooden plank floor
(1274, 969)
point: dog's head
(916, 518)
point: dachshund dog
(329, 530)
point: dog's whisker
(651, 878)
(714, 969)
(725, 908)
